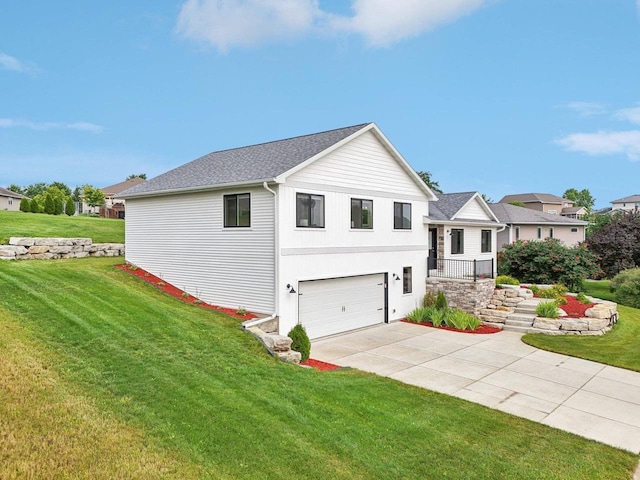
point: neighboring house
(627, 203)
(527, 224)
(547, 203)
(114, 207)
(462, 227)
(10, 200)
(330, 230)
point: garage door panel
(338, 305)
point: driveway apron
(499, 371)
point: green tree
(582, 198)
(35, 189)
(548, 261)
(617, 243)
(432, 184)
(16, 188)
(138, 175)
(94, 197)
(70, 207)
(518, 203)
(25, 205)
(49, 207)
(63, 187)
(34, 206)
(58, 206)
(77, 194)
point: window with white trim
(401, 216)
(485, 241)
(407, 280)
(361, 213)
(457, 241)
(309, 210)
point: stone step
(519, 323)
(523, 317)
(510, 328)
(525, 310)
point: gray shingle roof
(8, 193)
(448, 204)
(631, 198)
(244, 165)
(533, 198)
(512, 214)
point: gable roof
(631, 198)
(8, 193)
(122, 186)
(534, 198)
(449, 205)
(265, 162)
(512, 214)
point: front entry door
(433, 248)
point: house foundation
(468, 295)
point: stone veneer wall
(39, 248)
(470, 296)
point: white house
(630, 203)
(330, 230)
(10, 200)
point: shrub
(506, 280)
(582, 298)
(429, 300)
(34, 207)
(626, 286)
(438, 316)
(548, 261)
(69, 207)
(617, 243)
(548, 310)
(419, 315)
(300, 341)
(25, 205)
(441, 301)
(546, 293)
(462, 320)
(535, 289)
(49, 206)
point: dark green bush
(626, 286)
(548, 310)
(429, 300)
(300, 341)
(49, 206)
(548, 262)
(506, 280)
(34, 207)
(58, 206)
(25, 205)
(70, 207)
(441, 301)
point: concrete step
(526, 310)
(526, 317)
(510, 328)
(519, 323)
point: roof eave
(198, 189)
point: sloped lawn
(206, 396)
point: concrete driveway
(499, 371)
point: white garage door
(338, 305)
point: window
(457, 240)
(517, 233)
(401, 216)
(10, 201)
(361, 213)
(539, 233)
(237, 210)
(485, 241)
(550, 232)
(309, 210)
(552, 212)
(407, 280)
(574, 230)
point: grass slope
(620, 347)
(20, 224)
(199, 387)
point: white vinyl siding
(473, 211)
(181, 238)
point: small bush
(546, 293)
(300, 341)
(462, 320)
(25, 205)
(506, 280)
(34, 207)
(70, 207)
(441, 301)
(548, 310)
(626, 286)
(582, 298)
(535, 289)
(429, 300)
(438, 316)
(419, 315)
(240, 311)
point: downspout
(276, 265)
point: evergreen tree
(25, 205)
(49, 207)
(70, 207)
(34, 207)
(58, 206)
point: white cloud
(80, 126)
(604, 143)
(231, 23)
(587, 109)
(629, 114)
(384, 22)
(11, 63)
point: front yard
(94, 360)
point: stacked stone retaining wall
(40, 248)
(467, 295)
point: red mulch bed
(318, 365)
(179, 294)
(481, 330)
(574, 308)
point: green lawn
(620, 347)
(20, 224)
(205, 395)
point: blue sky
(498, 96)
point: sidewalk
(587, 398)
